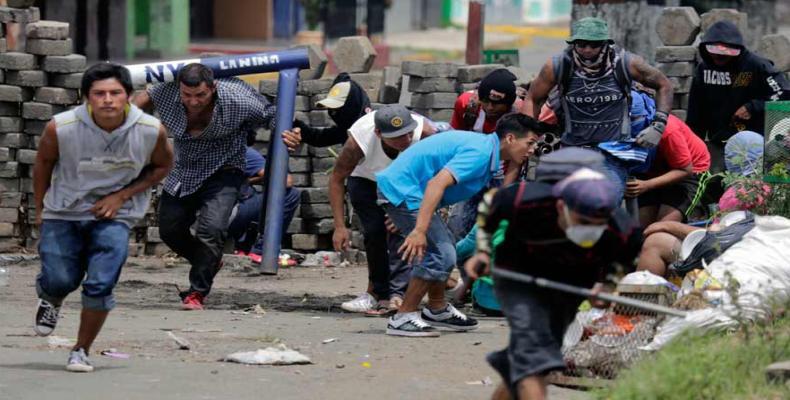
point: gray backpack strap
(562, 73)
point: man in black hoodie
(729, 89)
(346, 103)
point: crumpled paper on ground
(280, 355)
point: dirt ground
(301, 311)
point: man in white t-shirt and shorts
(373, 142)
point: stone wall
(38, 79)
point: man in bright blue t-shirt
(436, 172)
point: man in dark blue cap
(570, 232)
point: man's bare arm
(651, 77)
(46, 158)
(348, 159)
(539, 90)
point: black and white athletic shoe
(411, 325)
(46, 317)
(449, 318)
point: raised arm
(651, 77)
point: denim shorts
(90, 253)
(439, 258)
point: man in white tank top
(373, 142)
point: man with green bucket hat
(594, 77)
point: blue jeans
(73, 250)
(248, 215)
(388, 274)
(617, 171)
(439, 257)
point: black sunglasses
(580, 44)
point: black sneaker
(449, 318)
(410, 324)
(46, 317)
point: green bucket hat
(591, 29)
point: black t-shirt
(535, 244)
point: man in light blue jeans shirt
(436, 172)
(92, 182)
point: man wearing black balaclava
(346, 103)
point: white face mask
(585, 236)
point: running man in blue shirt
(436, 172)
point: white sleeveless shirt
(363, 131)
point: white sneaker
(411, 325)
(362, 303)
(79, 362)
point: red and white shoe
(192, 302)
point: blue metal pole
(278, 172)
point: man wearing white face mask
(570, 232)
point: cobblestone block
(680, 69)
(68, 81)
(315, 195)
(19, 15)
(322, 164)
(10, 199)
(34, 127)
(13, 60)
(30, 78)
(53, 95)
(13, 140)
(300, 180)
(26, 156)
(433, 100)
(474, 73)
(6, 154)
(10, 124)
(320, 226)
(678, 26)
(319, 179)
(724, 14)
(777, 49)
(18, 94)
(390, 86)
(48, 47)
(354, 54)
(63, 64)
(316, 211)
(431, 85)
(40, 111)
(302, 241)
(9, 169)
(681, 85)
(314, 86)
(9, 185)
(667, 54)
(320, 118)
(47, 30)
(318, 62)
(429, 69)
(299, 164)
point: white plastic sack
(759, 264)
(643, 278)
(280, 355)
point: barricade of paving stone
(38, 79)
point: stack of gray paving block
(38, 78)
(430, 88)
(678, 27)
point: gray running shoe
(79, 362)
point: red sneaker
(193, 302)
(256, 258)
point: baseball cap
(591, 29)
(337, 96)
(588, 193)
(722, 49)
(393, 121)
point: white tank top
(363, 131)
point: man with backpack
(594, 80)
